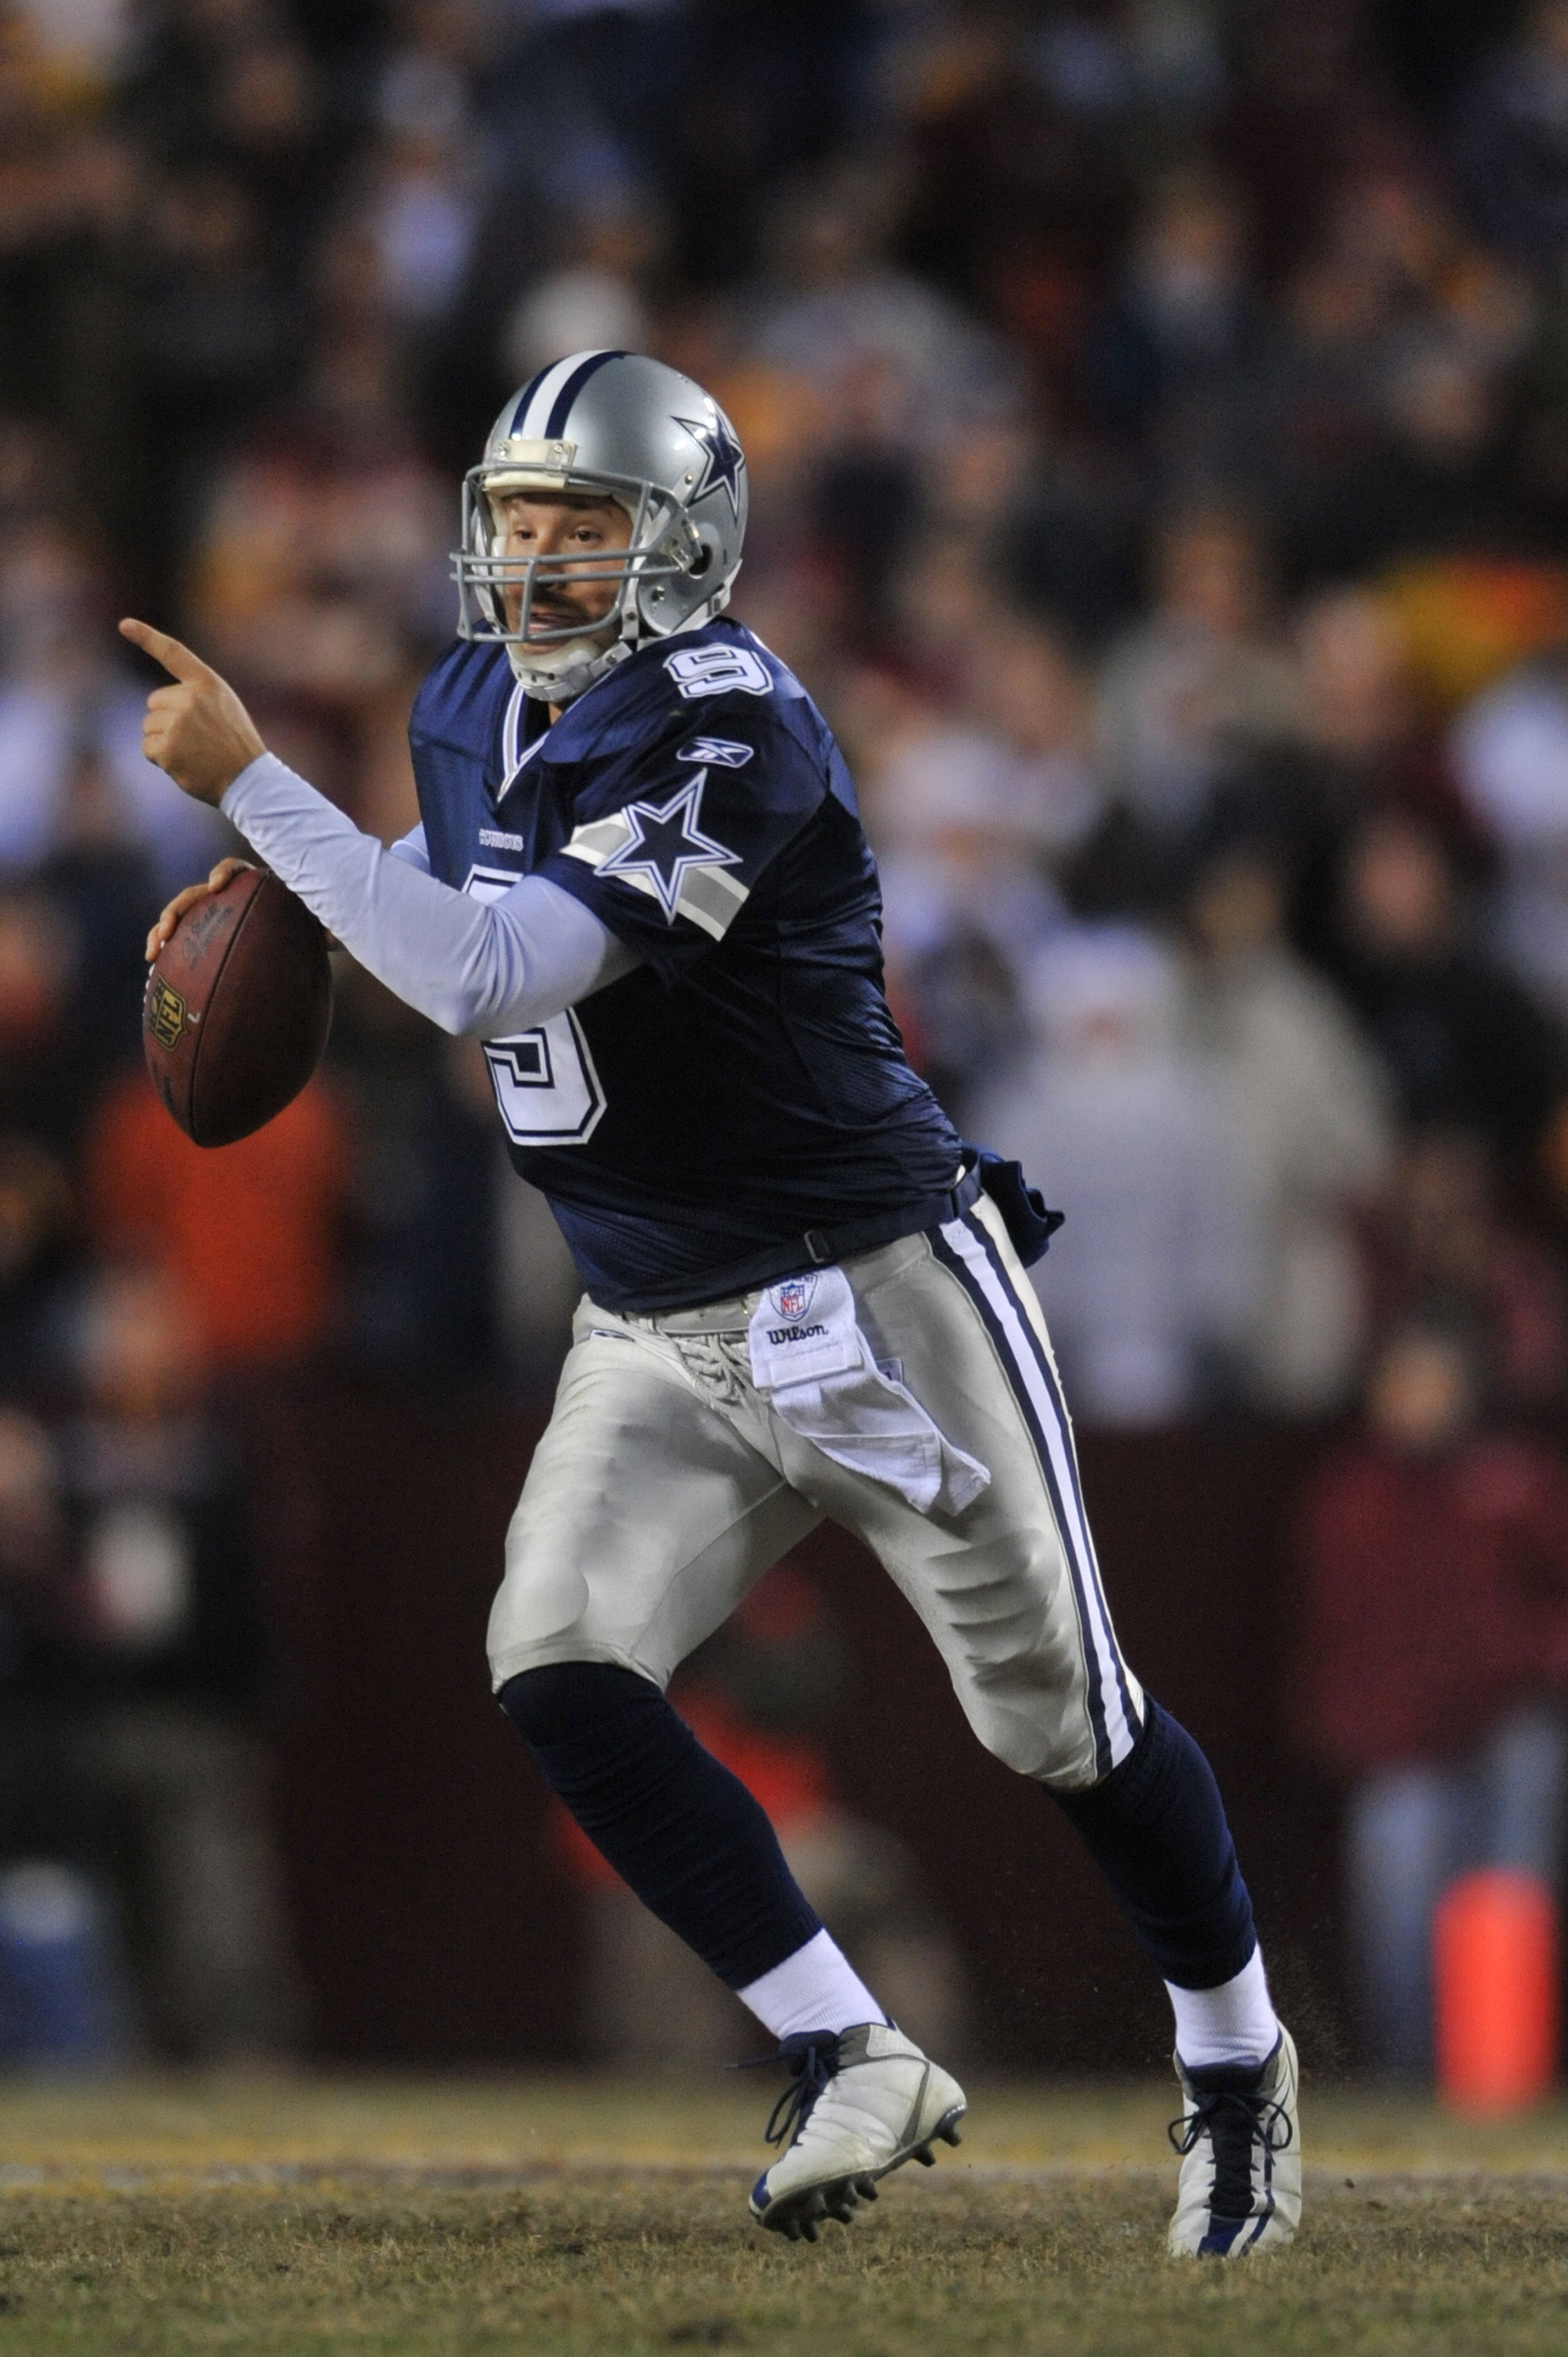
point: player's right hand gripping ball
(238, 1008)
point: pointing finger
(168, 652)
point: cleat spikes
(866, 2189)
(950, 2135)
(809, 2229)
(925, 2156)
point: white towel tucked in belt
(814, 1366)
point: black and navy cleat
(1239, 2139)
(862, 2103)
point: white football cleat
(864, 2102)
(1239, 2139)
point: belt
(822, 1247)
(825, 1246)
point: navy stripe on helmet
(573, 385)
(525, 396)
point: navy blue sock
(676, 1825)
(1156, 1828)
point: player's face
(543, 524)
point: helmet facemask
(556, 662)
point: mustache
(553, 598)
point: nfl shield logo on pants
(794, 1295)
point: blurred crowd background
(1157, 418)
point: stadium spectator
(213, 329)
(317, 567)
(1437, 481)
(40, 1228)
(1203, 680)
(1433, 1662)
(1304, 412)
(874, 341)
(1119, 1124)
(64, 1993)
(419, 209)
(1437, 1233)
(71, 769)
(1464, 1043)
(596, 299)
(454, 1267)
(1513, 148)
(45, 1072)
(135, 1662)
(1184, 319)
(1510, 753)
(1308, 1108)
(1022, 678)
(1366, 740)
(249, 1236)
(968, 814)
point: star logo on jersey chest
(724, 462)
(665, 844)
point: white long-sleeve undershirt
(475, 967)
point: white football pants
(665, 1485)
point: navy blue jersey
(745, 1088)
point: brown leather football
(238, 1008)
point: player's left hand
(198, 730)
(162, 933)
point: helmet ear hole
(701, 561)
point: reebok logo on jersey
(776, 1334)
(716, 752)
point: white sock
(816, 1988)
(1235, 2023)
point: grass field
(587, 2217)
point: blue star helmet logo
(665, 842)
(723, 460)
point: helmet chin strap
(560, 675)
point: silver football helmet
(611, 424)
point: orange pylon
(1495, 1990)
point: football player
(641, 880)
